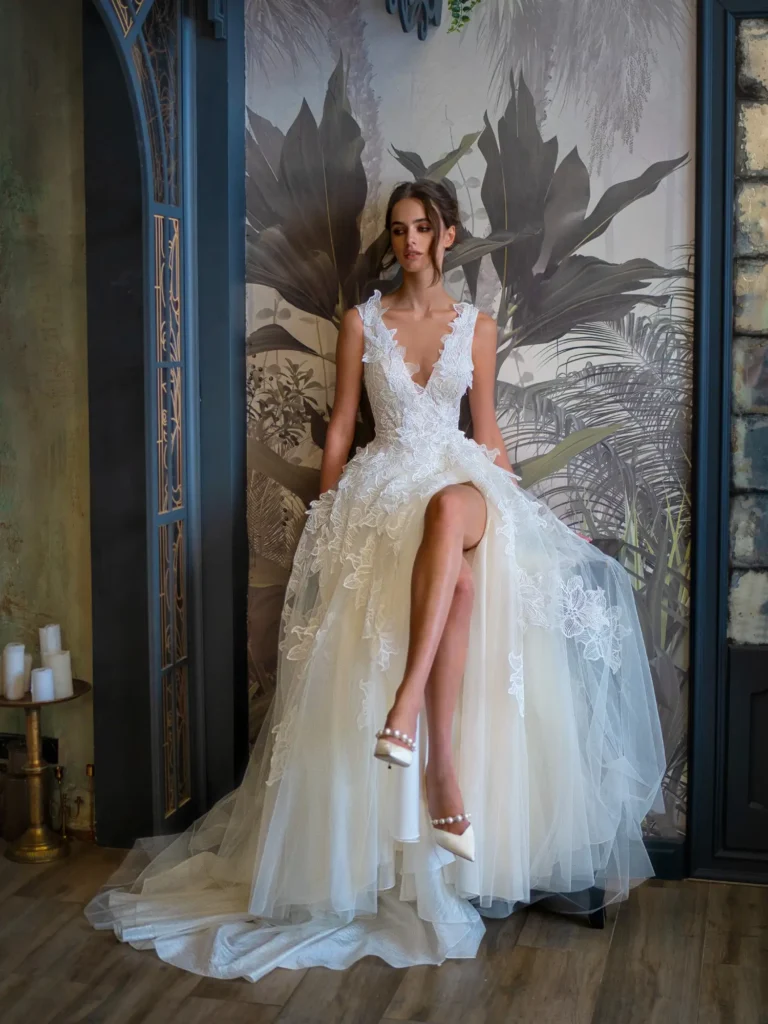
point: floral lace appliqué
(365, 714)
(355, 535)
(516, 688)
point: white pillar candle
(60, 664)
(42, 684)
(13, 671)
(50, 639)
(27, 672)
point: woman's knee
(445, 511)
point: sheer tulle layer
(323, 855)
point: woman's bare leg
(454, 522)
(441, 694)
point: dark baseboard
(668, 857)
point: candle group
(51, 682)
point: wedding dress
(323, 855)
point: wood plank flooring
(674, 953)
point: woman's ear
(450, 236)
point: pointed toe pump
(459, 845)
(393, 753)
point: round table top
(79, 687)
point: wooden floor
(675, 953)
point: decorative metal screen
(151, 34)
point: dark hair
(440, 206)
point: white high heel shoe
(459, 846)
(392, 753)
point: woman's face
(411, 236)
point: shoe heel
(392, 753)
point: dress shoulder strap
(376, 337)
(466, 332)
(368, 311)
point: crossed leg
(441, 606)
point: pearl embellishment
(451, 821)
(396, 734)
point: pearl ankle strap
(397, 735)
(451, 821)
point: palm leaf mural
(547, 287)
(279, 30)
(604, 442)
(306, 190)
(554, 43)
(629, 491)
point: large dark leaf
(303, 234)
(471, 268)
(469, 250)
(566, 203)
(275, 338)
(264, 196)
(345, 184)
(541, 156)
(302, 277)
(614, 200)
(441, 168)
(412, 162)
(366, 269)
(475, 248)
(581, 290)
(519, 169)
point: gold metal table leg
(38, 844)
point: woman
(440, 620)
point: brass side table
(38, 844)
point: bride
(464, 714)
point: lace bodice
(405, 411)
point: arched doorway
(165, 246)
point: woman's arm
(482, 394)
(349, 376)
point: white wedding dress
(323, 855)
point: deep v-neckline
(445, 341)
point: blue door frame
(183, 68)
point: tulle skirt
(323, 855)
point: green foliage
(280, 403)
(460, 11)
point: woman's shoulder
(351, 316)
(485, 326)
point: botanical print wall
(565, 128)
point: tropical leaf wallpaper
(564, 127)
